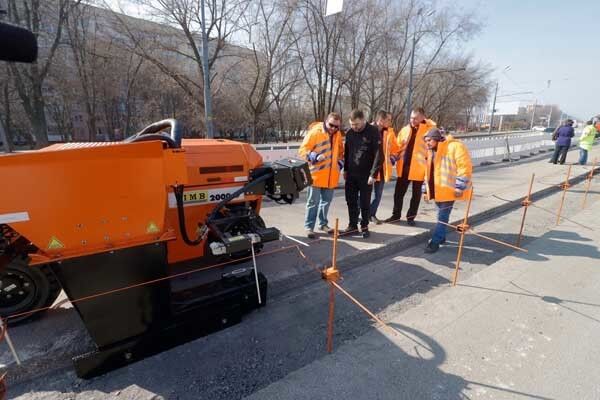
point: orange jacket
(325, 173)
(452, 171)
(417, 159)
(390, 148)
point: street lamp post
(210, 133)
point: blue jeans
(439, 232)
(317, 203)
(378, 191)
(583, 154)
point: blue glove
(461, 183)
(341, 164)
(423, 188)
(312, 157)
(393, 160)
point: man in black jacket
(362, 161)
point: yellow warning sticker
(55, 244)
(152, 228)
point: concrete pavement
(527, 327)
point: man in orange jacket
(411, 165)
(323, 148)
(390, 154)
(448, 177)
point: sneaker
(431, 247)
(365, 232)
(376, 220)
(350, 229)
(327, 229)
(310, 234)
(443, 241)
(391, 219)
(411, 222)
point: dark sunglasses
(333, 126)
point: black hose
(178, 191)
(153, 136)
(176, 132)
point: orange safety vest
(452, 170)
(390, 147)
(325, 173)
(417, 159)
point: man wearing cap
(448, 174)
(323, 148)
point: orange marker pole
(588, 184)
(565, 186)
(332, 274)
(330, 319)
(463, 229)
(526, 203)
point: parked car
(539, 128)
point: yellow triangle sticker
(152, 228)
(55, 244)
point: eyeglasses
(331, 126)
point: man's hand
(370, 181)
(312, 157)
(345, 176)
(320, 157)
(458, 193)
(393, 160)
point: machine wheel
(24, 288)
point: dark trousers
(357, 187)
(562, 151)
(415, 199)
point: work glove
(312, 157)
(393, 160)
(340, 164)
(370, 181)
(320, 157)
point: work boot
(327, 229)
(376, 220)
(365, 232)
(411, 222)
(350, 229)
(431, 247)
(393, 218)
(310, 234)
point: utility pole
(208, 116)
(493, 109)
(410, 79)
(533, 115)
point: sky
(542, 40)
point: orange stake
(331, 275)
(565, 186)
(526, 203)
(588, 184)
(330, 319)
(463, 228)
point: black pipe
(176, 132)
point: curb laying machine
(109, 223)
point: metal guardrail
(484, 147)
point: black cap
(435, 134)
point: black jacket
(362, 152)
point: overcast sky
(540, 40)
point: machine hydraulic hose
(178, 191)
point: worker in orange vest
(390, 154)
(448, 175)
(323, 148)
(411, 165)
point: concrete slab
(526, 327)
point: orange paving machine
(93, 218)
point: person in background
(411, 165)
(563, 141)
(447, 178)
(362, 161)
(323, 148)
(390, 154)
(586, 141)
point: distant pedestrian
(447, 177)
(563, 142)
(586, 141)
(362, 161)
(411, 165)
(323, 148)
(390, 155)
